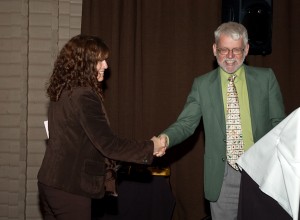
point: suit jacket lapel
(252, 93)
(215, 92)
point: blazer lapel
(215, 91)
(252, 93)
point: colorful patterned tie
(233, 125)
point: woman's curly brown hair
(76, 64)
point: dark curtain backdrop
(157, 48)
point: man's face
(230, 53)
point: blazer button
(224, 140)
(223, 159)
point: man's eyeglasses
(235, 51)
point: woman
(80, 142)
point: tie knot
(232, 78)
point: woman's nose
(105, 66)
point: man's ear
(246, 50)
(215, 49)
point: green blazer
(206, 101)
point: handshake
(160, 145)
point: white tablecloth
(274, 163)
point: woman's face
(101, 67)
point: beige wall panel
(31, 33)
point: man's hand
(160, 146)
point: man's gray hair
(232, 29)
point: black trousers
(59, 205)
(142, 198)
(254, 204)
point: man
(260, 109)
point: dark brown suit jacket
(79, 140)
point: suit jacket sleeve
(94, 122)
(188, 120)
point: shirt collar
(238, 73)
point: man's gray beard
(235, 69)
